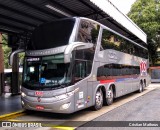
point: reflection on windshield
(46, 71)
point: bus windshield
(53, 34)
(48, 71)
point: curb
(11, 114)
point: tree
(146, 14)
(7, 51)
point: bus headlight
(65, 106)
(23, 94)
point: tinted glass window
(117, 70)
(83, 60)
(80, 69)
(88, 32)
(52, 34)
(114, 41)
(48, 71)
(85, 54)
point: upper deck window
(88, 32)
(111, 40)
(53, 34)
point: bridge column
(15, 88)
(1, 67)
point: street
(132, 107)
(144, 108)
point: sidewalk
(10, 104)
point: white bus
(76, 63)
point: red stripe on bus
(107, 81)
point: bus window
(111, 40)
(88, 32)
(80, 70)
(52, 34)
(48, 71)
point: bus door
(80, 73)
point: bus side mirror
(12, 55)
(77, 46)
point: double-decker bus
(76, 63)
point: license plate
(40, 107)
(39, 93)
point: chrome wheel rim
(110, 94)
(99, 98)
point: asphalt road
(143, 108)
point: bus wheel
(109, 99)
(98, 100)
(140, 87)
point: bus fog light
(65, 106)
(23, 94)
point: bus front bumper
(61, 106)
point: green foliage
(146, 14)
(7, 51)
(21, 57)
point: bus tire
(110, 96)
(98, 100)
(141, 87)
